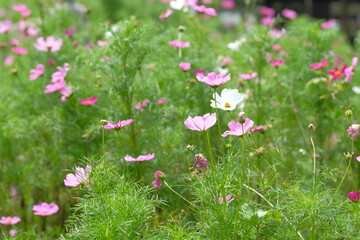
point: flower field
(176, 119)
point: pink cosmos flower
(140, 158)
(19, 50)
(118, 125)
(5, 26)
(266, 11)
(70, 32)
(54, 87)
(12, 232)
(185, 66)
(336, 73)
(158, 176)
(358, 158)
(89, 101)
(275, 33)
(36, 73)
(9, 220)
(267, 21)
(258, 129)
(228, 199)
(66, 92)
(226, 61)
(248, 76)
(81, 176)
(349, 71)
(14, 42)
(228, 4)
(328, 24)
(9, 60)
(51, 61)
(178, 44)
(24, 11)
(199, 123)
(354, 196)
(14, 192)
(161, 101)
(353, 130)
(289, 14)
(211, 12)
(277, 62)
(238, 129)
(276, 47)
(101, 43)
(27, 29)
(165, 15)
(213, 80)
(142, 105)
(50, 44)
(318, 65)
(45, 209)
(198, 71)
(200, 163)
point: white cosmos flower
(229, 99)
(356, 89)
(178, 5)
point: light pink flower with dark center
(199, 123)
(50, 44)
(267, 21)
(19, 50)
(158, 176)
(266, 11)
(142, 105)
(161, 101)
(238, 129)
(185, 66)
(81, 176)
(36, 73)
(349, 71)
(354, 196)
(5, 26)
(9, 220)
(22, 9)
(353, 130)
(258, 129)
(140, 158)
(318, 65)
(118, 125)
(89, 101)
(288, 13)
(212, 79)
(228, 199)
(277, 62)
(45, 209)
(165, 15)
(248, 76)
(336, 73)
(70, 32)
(328, 24)
(178, 44)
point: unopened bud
(182, 29)
(241, 117)
(103, 122)
(260, 151)
(228, 145)
(348, 155)
(190, 147)
(348, 113)
(311, 127)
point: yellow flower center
(227, 105)
(337, 73)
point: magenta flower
(277, 62)
(142, 105)
(140, 158)
(318, 65)
(5, 26)
(165, 15)
(349, 71)
(238, 129)
(158, 176)
(248, 76)
(81, 176)
(328, 24)
(70, 32)
(354, 196)
(228, 4)
(50, 44)
(210, 12)
(199, 123)
(22, 9)
(228, 199)
(185, 66)
(200, 163)
(353, 130)
(19, 50)
(54, 87)
(266, 11)
(267, 21)
(213, 80)
(161, 101)
(289, 14)
(336, 73)
(258, 129)
(9, 220)
(118, 125)
(178, 44)
(45, 209)
(89, 101)
(36, 73)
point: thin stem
(218, 120)
(314, 159)
(243, 157)
(342, 180)
(207, 139)
(171, 189)
(103, 141)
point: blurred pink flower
(36, 73)
(101, 43)
(318, 65)
(336, 73)
(27, 28)
(258, 129)
(89, 101)
(200, 163)
(5, 26)
(141, 105)
(198, 71)
(267, 21)
(140, 158)
(358, 158)
(228, 199)
(50, 44)
(349, 71)
(266, 11)
(12, 232)
(277, 62)
(118, 125)
(45, 209)
(19, 50)
(51, 61)
(66, 92)
(14, 192)
(328, 24)
(185, 66)
(228, 4)
(24, 11)
(212, 79)
(276, 47)
(9, 60)
(14, 42)
(238, 129)
(161, 101)
(199, 123)
(70, 32)
(353, 130)
(165, 15)
(54, 87)
(248, 76)
(177, 43)
(158, 176)
(288, 13)
(81, 175)
(9, 220)
(210, 12)
(226, 61)
(354, 196)
(275, 33)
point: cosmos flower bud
(348, 113)
(311, 127)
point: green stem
(207, 139)
(218, 121)
(314, 159)
(171, 189)
(342, 180)
(103, 142)
(243, 156)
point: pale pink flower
(27, 28)
(267, 21)
(24, 11)
(276, 47)
(185, 66)
(275, 33)
(89, 101)
(210, 12)
(288, 13)
(248, 76)
(158, 176)
(212, 79)
(353, 130)
(50, 44)
(161, 101)
(54, 87)
(70, 32)
(277, 62)
(178, 44)
(318, 65)
(51, 61)
(266, 11)
(14, 192)
(118, 125)
(101, 43)
(238, 129)
(36, 73)
(199, 123)
(142, 105)
(12, 232)
(81, 176)
(9, 220)
(45, 209)
(165, 15)
(5, 26)
(207, 1)
(354, 196)
(228, 4)
(226, 61)
(9, 60)
(14, 42)
(200, 163)
(358, 158)
(258, 129)
(19, 50)
(349, 71)
(198, 71)
(66, 92)
(328, 24)
(140, 158)
(228, 199)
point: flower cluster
(81, 176)
(59, 83)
